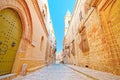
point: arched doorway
(10, 35)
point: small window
(73, 48)
(44, 12)
(69, 22)
(84, 43)
(41, 43)
(80, 16)
(87, 6)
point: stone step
(7, 77)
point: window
(73, 48)
(80, 16)
(69, 22)
(87, 6)
(41, 43)
(84, 43)
(44, 12)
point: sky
(58, 9)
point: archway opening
(10, 36)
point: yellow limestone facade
(33, 42)
(93, 38)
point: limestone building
(24, 36)
(92, 39)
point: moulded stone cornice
(95, 3)
(36, 6)
(105, 4)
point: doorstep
(7, 76)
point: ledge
(34, 68)
(7, 76)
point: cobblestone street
(68, 72)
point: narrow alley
(59, 39)
(67, 72)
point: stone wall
(97, 38)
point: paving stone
(68, 72)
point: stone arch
(10, 36)
(23, 11)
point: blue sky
(58, 9)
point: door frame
(26, 24)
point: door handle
(13, 44)
(0, 42)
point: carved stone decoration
(87, 6)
